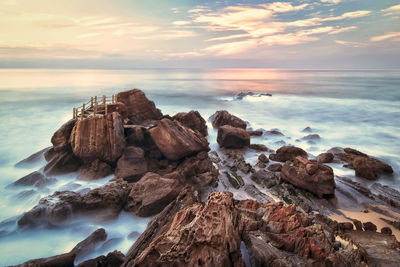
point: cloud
(184, 54)
(344, 29)
(229, 37)
(393, 10)
(318, 21)
(332, 1)
(281, 7)
(181, 22)
(352, 44)
(385, 37)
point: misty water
(358, 109)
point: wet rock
(62, 163)
(255, 133)
(223, 117)
(325, 158)
(387, 194)
(263, 158)
(36, 179)
(358, 225)
(310, 175)
(63, 260)
(115, 258)
(231, 137)
(260, 147)
(234, 179)
(369, 226)
(214, 157)
(132, 165)
(138, 107)
(386, 231)
(98, 137)
(94, 170)
(265, 178)
(344, 226)
(176, 141)
(192, 120)
(32, 159)
(60, 138)
(86, 246)
(286, 153)
(276, 167)
(274, 132)
(151, 194)
(311, 137)
(261, 165)
(307, 130)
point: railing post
(104, 100)
(95, 105)
(91, 102)
(113, 99)
(73, 113)
(105, 109)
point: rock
(276, 167)
(135, 135)
(176, 141)
(60, 138)
(358, 225)
(260, 165)
(118, 107)
(255, 133)
(345, 226)
(311, 137)
(132, 165)
(369, 226)
(260, 147)
(115, 258)
(86, 246)
(234, 179)
(32, 160)
(62, 163)
(192, 120)
(386, 231)
(307, 130)
(265, 178)
(223, 117)
(34, 179)
(63, 260)
(310, 175)
(151, 194)
(274, 132)
(325, 158)
(263, 158)
(231, 137)
(198, 235)
(94, 170)
(286, 153)
(138, 107)
(387, 194)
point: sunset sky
(178, 33)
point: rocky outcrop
(223, 117)
(151, 194)
(94, 170)
(325, 158)
(32, 160)
(232, 137)
(98, 137)
(310, 175)
(132, 165)
(138, 107)
(35, 179)
(118, 107)
(62, 162)
(115, 258)
(87, 246)
(176, 141)
(63, 260)
(60, 138)
(192, 120)
(286, 153)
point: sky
(195, 34)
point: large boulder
(223, 117)
(132, 165)
(115, 258)
(192, 120)
(176, 141)
(88, 245)
(60, 138)
(138, 107)
(286, 153)
(63, 162)
(94, 170)
(36, 179)
(233, 137)
(310, 175)
(33, 159)
(151, 194)
(98, 137)
(62, 260)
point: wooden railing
(96, 105)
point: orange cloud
(385, 37)
(393, 10)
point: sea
(346, 108)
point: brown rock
(34, 179)
(87, 246)
(231, 137)
(386, 231)
(138, 107)
(32, 160)
(60, 138)
(311, 137)
(62, 163)
(192, 120)
(223, 117)
(369, 226)
(132, 165)
(288, 153)
(176, 141)
(255, 133)
(151, 194)
(115, 258)
(358, 225)
(345, 226)
(98, 137)
(118, 107)
(94, 170)
(274, 132)
(136, 135)
(276, 167)
(63, 260)
(263, 158)
(260, 147)
(312, 176)
(325, 157)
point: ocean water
(347, 108)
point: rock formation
(192, 120)
(232, 137)
(286, 153)
(223, 117)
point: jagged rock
(36, 179)
(311, 137)
(265, 178)
(60, 138)
(386, 231)
(310, 175)
(260, 147)
(118, 107)
(263, 158)
(62, 163)
(192, 120)
(231, 137)
(32, 159)
(223, 117)
(255, 133)
(94, 170)
(276, 167)
(274, 132)
(307, 130)
(151, 194)
(325, 158)
(132, 165)
(387, 194)
(138, 107)
(86, 246)
(135, 135)
(98, 137)
(369, 226)
(63, 260)
(286, 153)
(115, 258)
(176, 141)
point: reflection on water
(359, 109)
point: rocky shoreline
(163, 167)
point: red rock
(132, 165)
(286, 153)
(192, 120)
(138, 107)
(231, 137)
(223, 117)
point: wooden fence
(96, 105)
